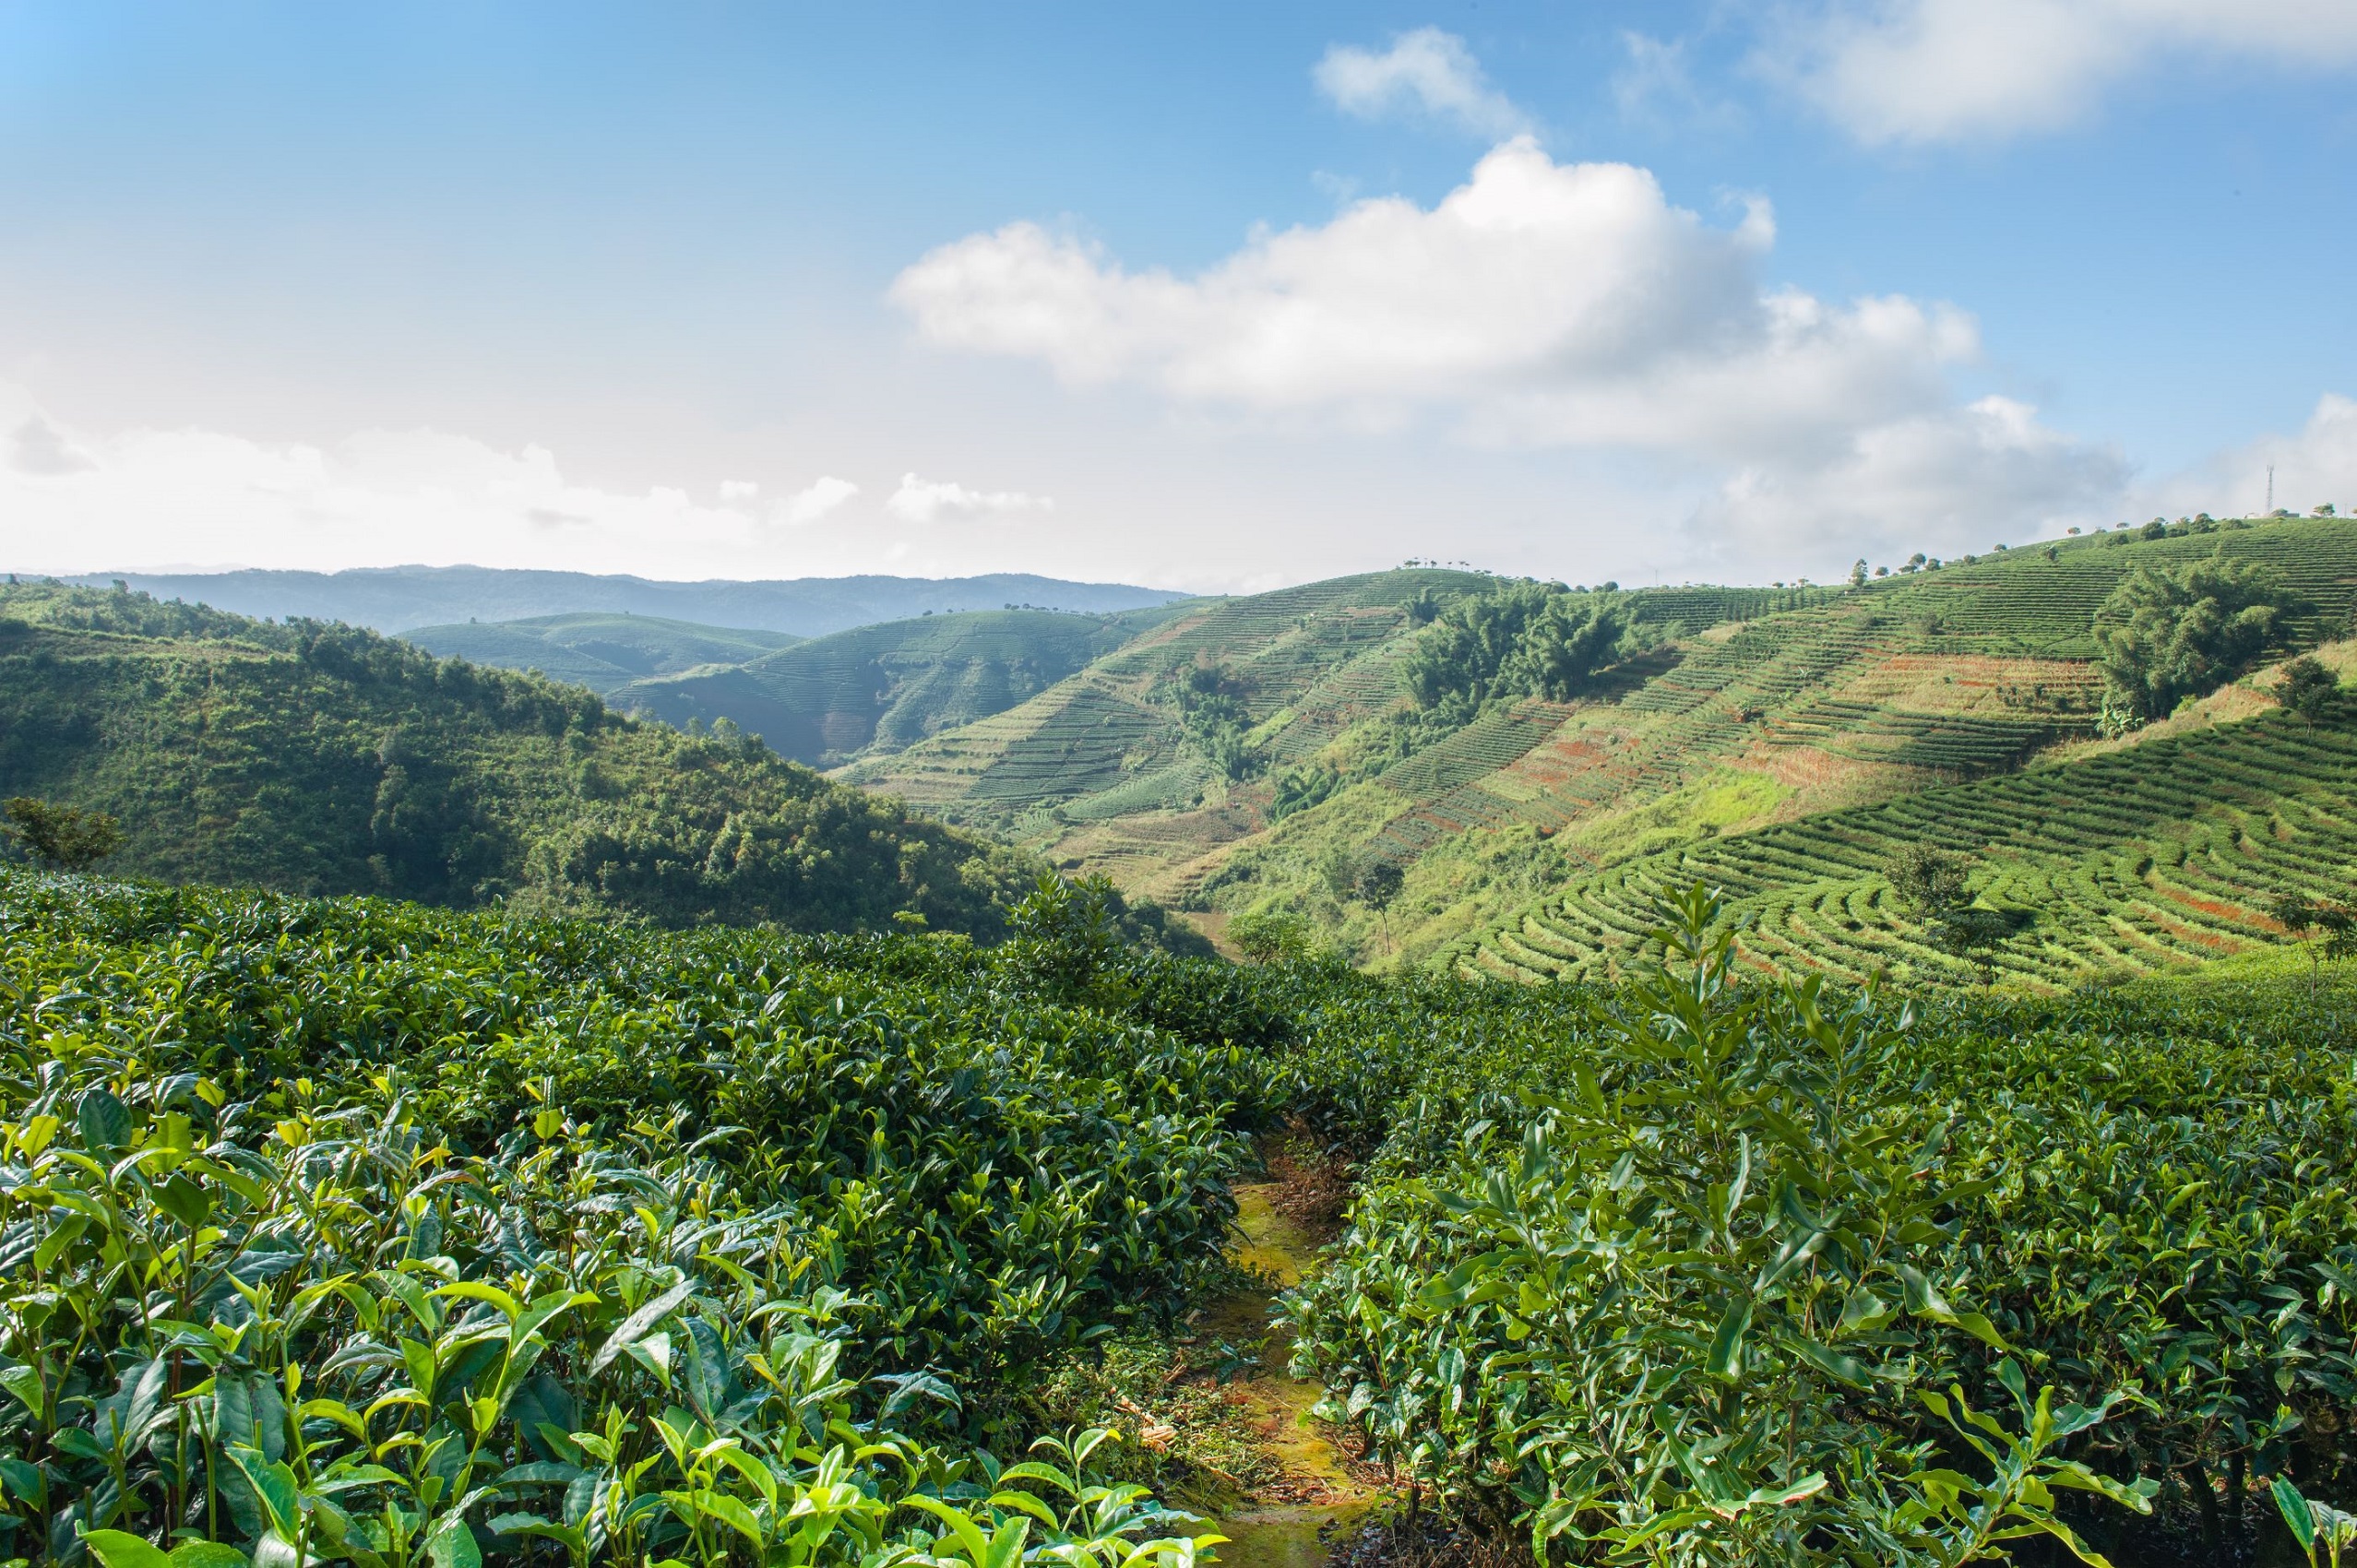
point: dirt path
(1278, 1526)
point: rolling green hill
(321, 759)
(603, 652)
(1729, 711)
(882, 687)
(2145, 856)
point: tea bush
(357, 1230)
(1688, 1275)
(365, 1231)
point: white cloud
(2316, 465)
(1939, 70)
(1538, 305)
(738, 489)
(37, 447)
(926, 501)
(816, 499)
(1425, 71)
(1944, 481)
(1532, 275)
(141, 499)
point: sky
(1209, 297)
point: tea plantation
(355, 1231)
(1508, 814)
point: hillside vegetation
(356, 1230)
(319, 758)
(600, 651)
(878, 689)
(1505, 748)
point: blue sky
(1172, 294)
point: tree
(1572, 638)
(1379, 884)
(2308, 689)
(63, 838)
(1858, 573)
(1931, 884)
(1928, 881)
(1517, 640)
(2163, 636)
(1268, 935)
(2306, 918)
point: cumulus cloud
(74, 501)
(738, 489)
(38, 448)
(1943, 481)
(1427, 72)
(1538, 304)
(1941, 70)
(926, 501)
(815, 500)
(2313, 466)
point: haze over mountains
(398, 598)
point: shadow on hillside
(1624, 679)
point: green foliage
(1378, 884)
(2165, 635)
(2312, 1524)
(2151, 856)
(1685, 1271)
(2128, 1177)
(2307, 919)
(1518, 639)
(1210, 697)
(370, 1231)
(1298, 788)
(60, 836)
(2310, 690)
(1927, 879)
(318, 758)
(1065, 941)
(1697, 1310)
(1268, 936)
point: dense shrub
(2166, 635)
(369, 1230)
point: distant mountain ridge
(398, 598)
(322, 759)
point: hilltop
(320, 758)
(1260, 754)
(828, 700)
(395, 598)
(604, 652)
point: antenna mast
(2271, 490)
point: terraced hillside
(1104, 754)
(885, 687)
(1751, 708)
(2139, 858)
